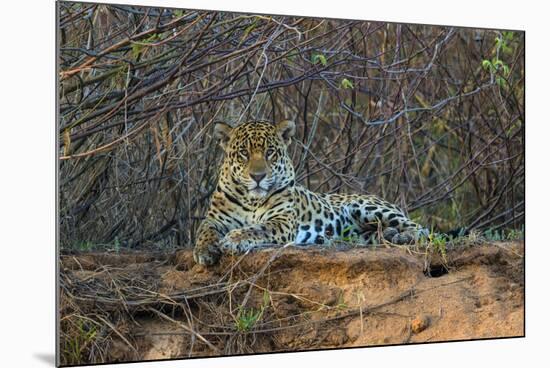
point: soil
(166, 306)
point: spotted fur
(257, 201)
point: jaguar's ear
(286, 130)
(222, 132)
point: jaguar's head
(256, 160)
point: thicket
(429, 117)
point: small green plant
(348, 235)
(138, 47)
(178, 13)
(502, 235)
(439, 244)
(319, 58)
(499, 70)
(341, 304)
(248, 317)
(76, 346)
(516, 234)
(503, 42)
(494, 235)
(85, 246)
(116, 245)
(346, 84)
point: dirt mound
(154, 306)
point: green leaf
(508, 35)
(152, 38)
(507, 49)
(346, 83)
(498, 63)
(316, 58)
(266, 299)
(136, 49)
(486, 64)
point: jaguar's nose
(257, 177)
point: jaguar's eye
(269, 152)
(244, 153)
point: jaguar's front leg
(207, 251)
(269, 233)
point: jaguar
(257, 201)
